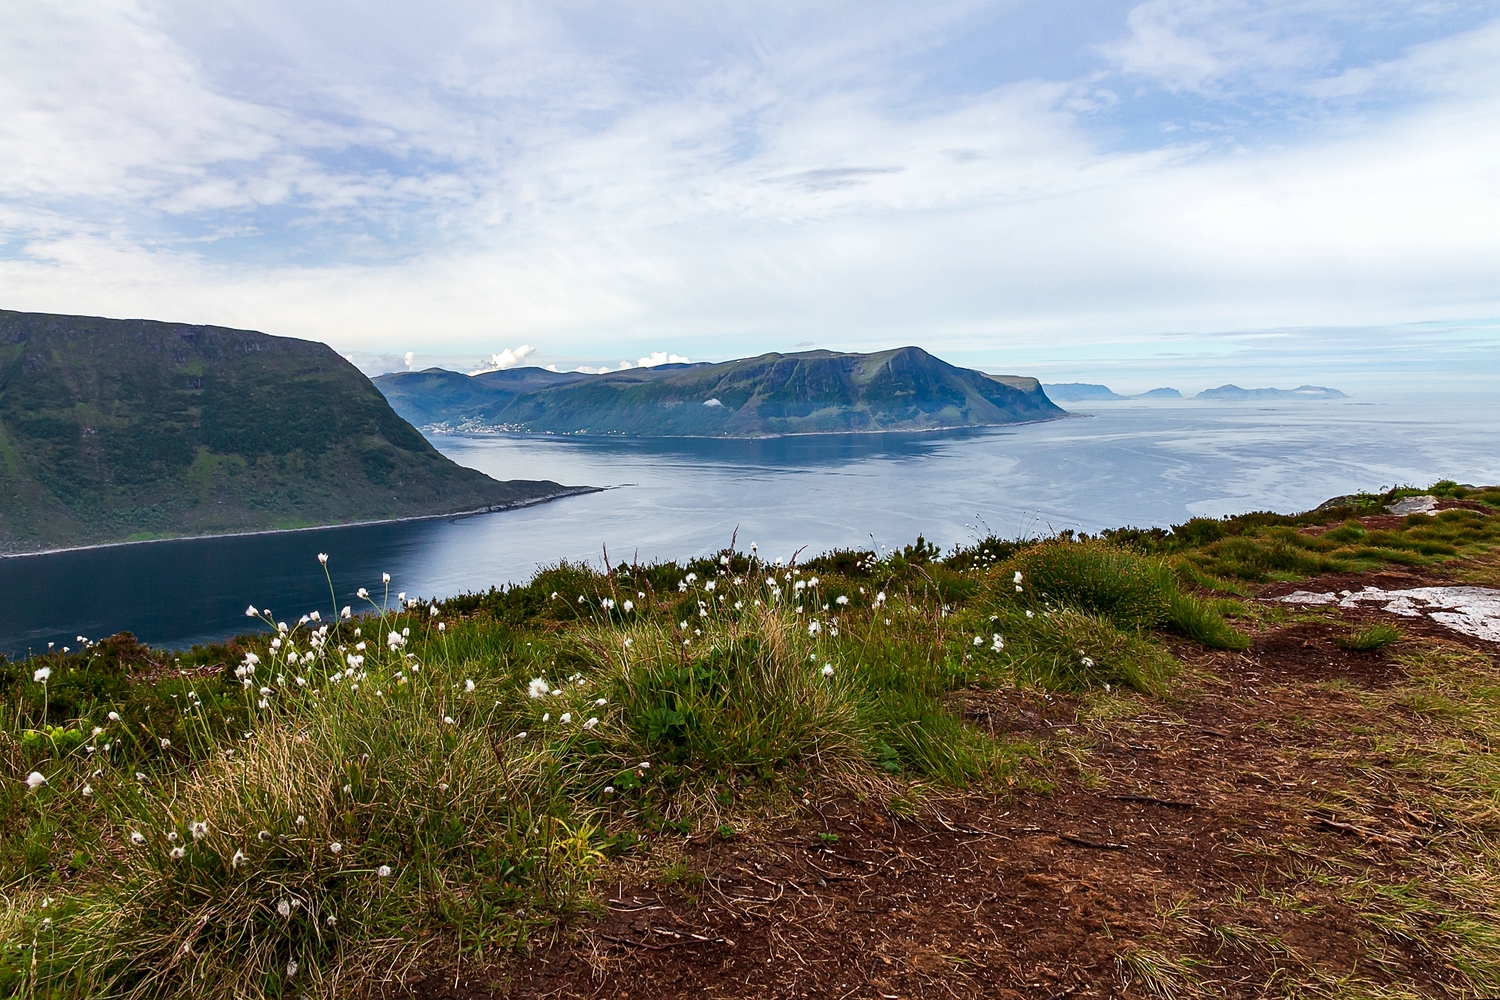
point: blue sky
(1182, 191)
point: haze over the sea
(1177, 192)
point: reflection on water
(1127, 463)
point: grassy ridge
(333, 796)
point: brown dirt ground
(1175, 826)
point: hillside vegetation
(112, 430)
(811, 392)
(330, 802)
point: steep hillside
(812, 392)
(113, 430)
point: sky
(1175, 192)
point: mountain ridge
(116, 430)
(773, 394)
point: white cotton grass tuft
(384, 871)
(137, 838)
(538, 687)
(335, 848)
(35, 780)
(828, 670)
(469, 685)
(40, 675)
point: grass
(480, 763)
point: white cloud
(507, 358)
(508, 177)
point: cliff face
(112, 430)
(812, 392)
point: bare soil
(1178, 828)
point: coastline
(430, 429)
(565, 492)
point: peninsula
(813, 392)
(124, 430)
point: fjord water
(1140, 463)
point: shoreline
(427, 429)
(567, 491)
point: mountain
(1075, 392)
(1234, 392)
(115, 430)
(809, 393)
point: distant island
(123, 430)
(1079, 392)
(1234, 392)
(775, 394)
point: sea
(1108, 464)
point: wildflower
(346, 612)
(538, 687)
(546, 716)
(709, 586)
(177, 853)
(137, 838)
(35, 780)
(591, 723)
(979, 640)
(88, 791)
(301, 822)
(323, 558)
(198, 828)
(628, 606)
(264, 836)
(362, 593)
(828, 670)
(250, 612)
(1018, 576)
(141, 777)
(600, 702)
(692, 578)
(609, 789)
(316, 616)
(331, 920)
(384, 871)
(447, 720)
(555, 692)
(113, 716)
(723, 560)
(237, 860)
(880, 597)
(442, 627)
(813, 582)
(401, 597)
(284, 908)
(432, 610)
(813, 627)
(996, 643)
(165, 742)
(469, 685)
(1087, 661)
(41, 675)
(1030, 614)
(336, 847)
(565, 718)
(385, 578)
(841, 599)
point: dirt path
(1202, 846)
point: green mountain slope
(808, 393)
(112, 430)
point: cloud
(746, 180)
(507, 358)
